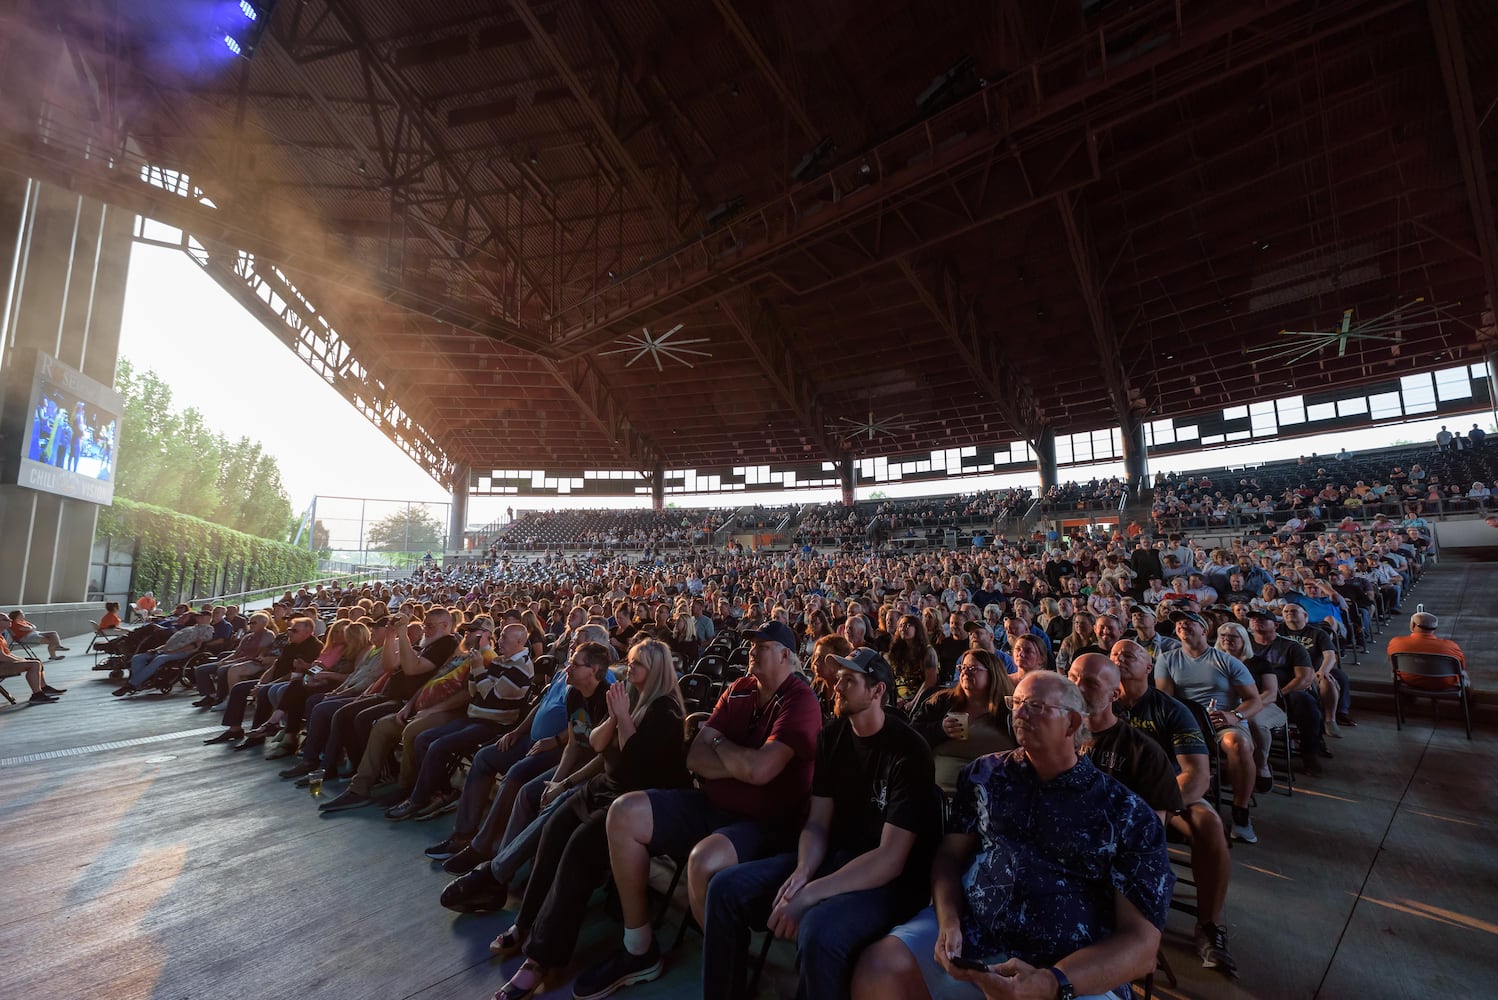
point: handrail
(244, 597)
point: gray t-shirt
(1212, 677)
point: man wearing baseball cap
(1222, 685)
(873, 803)
(754, 756)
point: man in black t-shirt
(1117, 748)
(1171, 725)
(1287, 683)
(1330, 680)
(873, 800)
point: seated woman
(824, 670)
(914, 661)
(328, 660)
(965, 722)
(351, 641)
(642, 747)
(19, 629)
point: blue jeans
(143, 666)
(524, 833)
(832, 935)
(508, 800)
(320, 726)
(488, 764)
(439, 748)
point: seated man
(499, 687)
(1019, 911)
(1171, 725)
(19, 629)
(528, 751)
(14, 666)
(1116, 749)
(1327, 678)
(1423, 639)
(212, 677)
(179, 646)
(864, 856)
(1223, 686)
(755, 756)
(299, 644)
(145, 606)
(1287, 687)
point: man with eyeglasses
(1017, 910)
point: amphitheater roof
(1100, 207)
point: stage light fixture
(245, 24)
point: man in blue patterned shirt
(1052, 880)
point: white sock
(637, 939)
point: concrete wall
(64, 261)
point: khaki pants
(383, 737)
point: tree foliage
(410, 530)
(174, 460)
(183, 558)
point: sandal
(507, 943)
(511, 992)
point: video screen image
(72, 435)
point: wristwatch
(1064, 988)
(717, 740)
(1239, 715)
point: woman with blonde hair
(642, 747)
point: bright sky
(176, 316)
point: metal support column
(1045, 458)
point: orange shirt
(110, 620)
(20, 628)
(1421, 643)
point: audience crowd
(871, 752)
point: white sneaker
(1245, 833)
(1331, 729)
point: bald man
(1117, 749)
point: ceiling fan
(1389, 327)
(849, 429)
(658, 347)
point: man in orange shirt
(1423, 639)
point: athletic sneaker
(1245, 832)
(621, 970)
(1212, 946)
(444, 850)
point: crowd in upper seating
(786, 726)
(1335, 491)
(608, 529)
(916, 518)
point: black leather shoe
(250, 741)
(298, 769)
(476, 892)
(227, 736)
(464, 861)
(54, 692)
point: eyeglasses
(971, 666)
(1029, 707)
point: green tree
(175, 461)
(411, 530)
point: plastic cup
(961, 718)
(314, 784)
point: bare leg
(630, 826)
(888, 971)
(1210, 865)
(712, 854)
(1238, 758)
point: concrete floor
(166, 869)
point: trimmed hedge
(180, 558)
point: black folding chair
(1431, 666)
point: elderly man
(1423, 639)
(1222, 685)
(1171, 725)
(1018, 911)
(499, 687)
(754, 756)
(179, 646)
(864, 855)
(1117, 749)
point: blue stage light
(248, 10)
(232, 45)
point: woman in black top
(979, 693)
(642, 746)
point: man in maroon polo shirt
(755, 757)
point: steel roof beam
(978, 349)
(740, 30)
(1081, 245)
(1452, 50)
